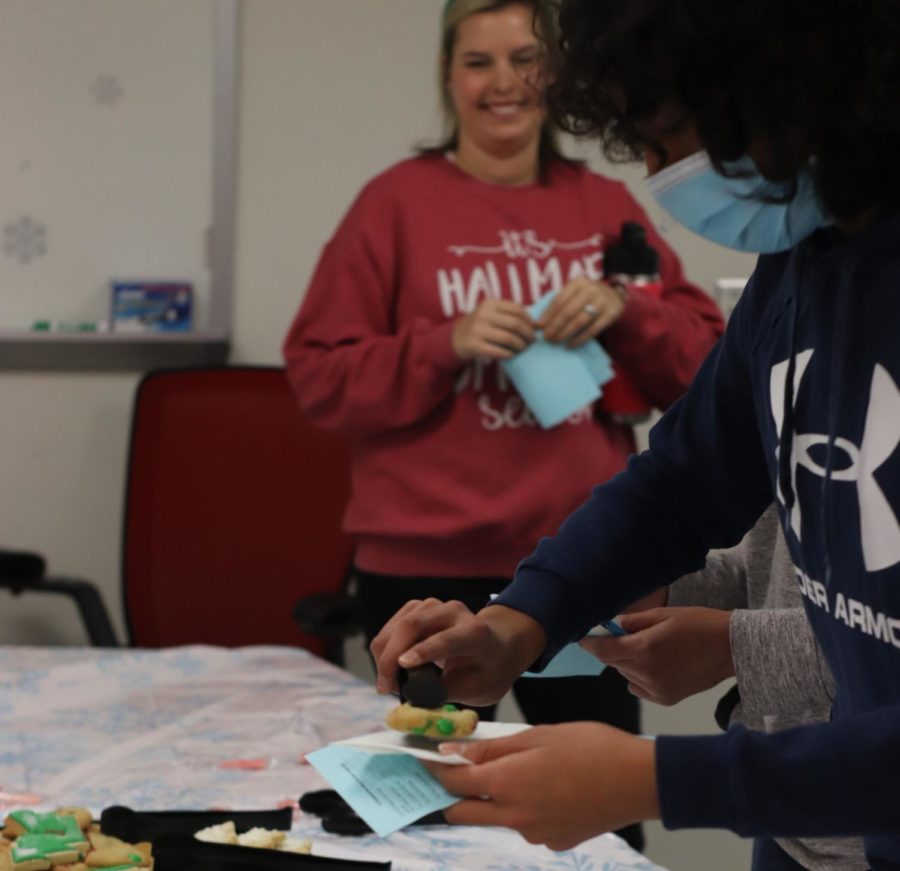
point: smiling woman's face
(495, 80)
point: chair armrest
(90, 604)
(22, 572)
(19, 569)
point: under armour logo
(879, 530)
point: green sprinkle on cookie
(445, 726)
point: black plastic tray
(186, 853)
(130, 825)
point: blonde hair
(545, 26)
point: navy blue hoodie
(799, 400)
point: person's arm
(779, 667)
(830, 779)
(560, 785)
(660, 342)
(674, 652)
(349, 367)
(657, 520)
(703, 484)
(721, 583)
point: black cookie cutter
(340, 819)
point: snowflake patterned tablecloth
(205, 727)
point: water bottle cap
(632, 254)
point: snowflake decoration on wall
(106, 90)
(24, 240)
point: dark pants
(603, 699)
(768, 856)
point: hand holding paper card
(389, 791)
(398, 790)
(555, 380)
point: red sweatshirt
(452, 475)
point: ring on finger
(590, 309)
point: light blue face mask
(732, 211)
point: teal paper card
(555, 381)
(388, 790)
(552, 381)
(574, 661)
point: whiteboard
(107, 156)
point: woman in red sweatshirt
(420, 295)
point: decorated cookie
(446, 722)
(27, 858)
(269, 839)
(82, 816)
(114, 857)
(295, 845)
(54, 848)
(28, 822)
(224, 833)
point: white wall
(331, 92)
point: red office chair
(233, 512)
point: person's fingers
(568, 313)
(583, 327)
(519, 324)
(501, 337)
(638, 621)
(441, 633)
(478, 779)
(640, 692)
(479, 752)
(392, 640)
(462, 780)
(470, 642)
(477, 812)
(509, 306)
(469, 682)
(415, 621)
(608, 650)
(654, 686)
(581, 311)
(381, 639)
(606, 317)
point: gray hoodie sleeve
(721, 584)
(780, 670)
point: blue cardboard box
(151, 307)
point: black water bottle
(629, 264)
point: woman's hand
(669, 653)
(498, 328)
(555, 785)
(481, 654)
(581, 311)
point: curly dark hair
(809, 82)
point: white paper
(392, 741)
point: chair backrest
(233, 510)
